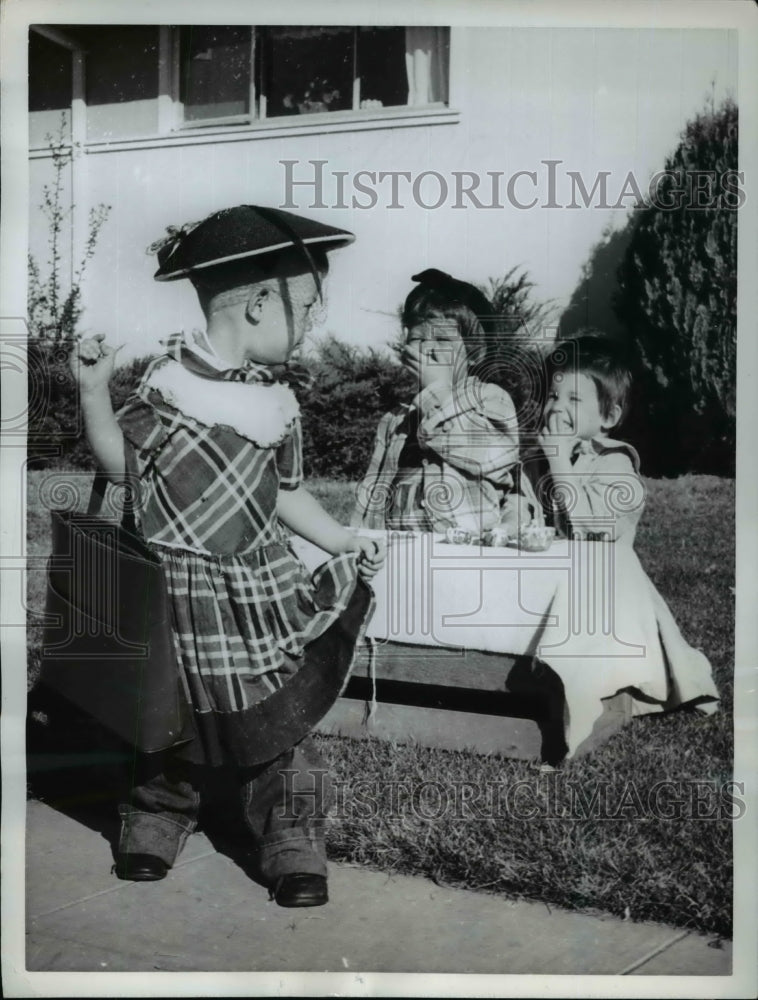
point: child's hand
(556, 443)
(371, 555)
(427, 364)
(516, 513)
(92, 362)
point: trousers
(284, 804)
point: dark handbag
(108, 647)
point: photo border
(15, 16)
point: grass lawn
(636, 862)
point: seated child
(593, 483)
(597, 494)
(450, 457)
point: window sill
(274, 128)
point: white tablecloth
(588, 609)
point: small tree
(54, 312)
(524, 332)
(54, 309)
(520, 313)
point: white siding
(595, 100)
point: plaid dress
(447, 459)
(245, 610)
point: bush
(592, 301)
(678, 299)
(666, 285)
(353, 388)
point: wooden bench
(463, 700)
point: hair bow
(466, 293)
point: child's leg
(161, 813)
(285, 803)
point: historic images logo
(310, 185)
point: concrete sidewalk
(207, 915)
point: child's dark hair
(440, 295)
(594, 354)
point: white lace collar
(263, 414)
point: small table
(579, 627)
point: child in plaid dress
(450, 457)
(212, 433)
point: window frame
(257, 118)
(170, 131)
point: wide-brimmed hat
(234, 234)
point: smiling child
(594, 479)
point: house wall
(525, 96)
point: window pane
(121, 77)
(215, 71)
(122, 63)
(308, 69)
(381, 67)
(427, 55)
(50, 74)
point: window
(235, 74)
(50, 91)
(121, 79)
(216, 73)
(131, 83)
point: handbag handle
(97, 495)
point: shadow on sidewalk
(73, 764)
(82, 770)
